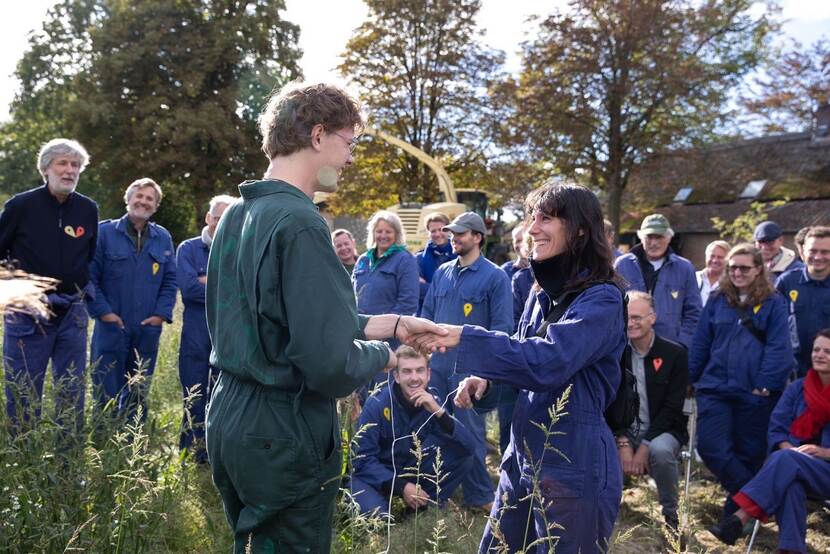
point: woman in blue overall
(799, 436)
(738, 366)
(385, 277)
(561, 481)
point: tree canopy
(423, 75)
(606, 83)
(152, 88)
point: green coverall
(288, 341)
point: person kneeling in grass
(799, 431)
(385, 459)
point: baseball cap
(468, 221)
(655, 224)
(766, 231)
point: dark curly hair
(588, 255)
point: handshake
(421, 334)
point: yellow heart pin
(387, 413)
(793, 295)
(69, 231)
(155, 267)
(468, 308)
(756, 309)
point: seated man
(661, 367)
(388, 421)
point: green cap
(655, 224)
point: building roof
(795, 166)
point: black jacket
(666, 383)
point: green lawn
(128, 489)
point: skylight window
(683, 194)
(753, 189)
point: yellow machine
(456, 201)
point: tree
(742, 228)
(608, 82)
(793, 85)
(167, 90)
(424, 77)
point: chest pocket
(116, 265)
(158, 261)
(474, 307)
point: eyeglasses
(352, 144)
(638, 318)
(744, 269)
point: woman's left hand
(470, 389)
(814, 450)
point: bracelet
(395, 330)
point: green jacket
(280, 306)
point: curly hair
(291, 114)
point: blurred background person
(769, 239)
(195, 372)
(437, 251)
(345, 248)
(709, 276)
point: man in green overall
(286, 334)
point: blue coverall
(726, 363)
(43, 236)
(809, 303)
(375, 476)
(521, 283)
(676, 296)
(428, 260)
(195, 372)
(391, 287)
(134, 286)
(577, 468)
(782, 485)
(478, 294)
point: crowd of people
(281, 318)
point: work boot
(728, 530)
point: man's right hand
(112, 318)
(415, 496)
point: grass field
(128, 489)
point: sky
(323, 39)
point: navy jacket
(727, 358)
(428, 260)
(390, 288)
(676, 296)
(373, 460)
(133, 285)
(809, 301)
(581, 351)
(478, 294)
(789, 407)
(191, 263)
(521, 284)
(49, 238)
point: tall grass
(127, 488)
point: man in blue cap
(653, 267)
(469, 290)
(769, 239)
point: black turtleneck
(552, 274)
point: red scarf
(808, 425)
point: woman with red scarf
(800, 466)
